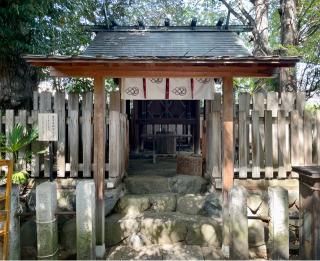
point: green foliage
(18, 139)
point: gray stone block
(47, 230)
(86, 214)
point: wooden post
(99, 160)
(227, 144)
(196, 131)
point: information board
(48, 126)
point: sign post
(48, 131)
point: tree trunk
(288, 14)
(261, 33)
(17, 82)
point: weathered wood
(296, 148)
(256, 150)
(244, 101)
(300, 102)
(258, 103)
(216, 144)
(273, 105)
(9, 126)
(73, 132)
(35, 159)
(99, 160)
(115, 104)
(307, 137)
(45, 106)
(287, 101)
(114, 144)
(22, 153)
(268, 144)
(60, 109)
(87, 137)
(35, 100)
(228, 146)
(243, 145)
(283, 150)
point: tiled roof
(167, 44)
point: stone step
(192, 204)
(165, 252)
(162, 228)
(181, 184)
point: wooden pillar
(99, 160)
(196, 130)
(227, 145)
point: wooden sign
(48, 126)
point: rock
(212, 206)
(118, 228)
(163, 229)
(190, 204)
(66, 199)
(28, 234)
(184, 184)
(256, 233)
(163, 202)
(258, 252)
(210, 253)
(137, 240)
(132, 205)
(204, 232)
(153, 184)
(182, 252)
(68, 236)
(111, 198)
(129, 253)
(257, 204)
(147, 184)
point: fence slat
(45, 106)
(73, 131)
(283, 151)
(307, 137)
(35, 159)
(60, 109)
(9, 126)
(114, 125)
(296, 143)
(255, 145)
(268, 144)
(22, 152)
(300, 102)
(243, 145)
(258, 103)
(273, 105)
(287, 101)
(87, 133)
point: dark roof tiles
(167, 44)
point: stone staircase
(165, 218)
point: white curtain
(178, 89)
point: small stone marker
(239, 248)
(279, 223)
(86, 231)
(48, 126)
(47, 230)
(14, 240)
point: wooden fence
(270, 135)
(73, 152)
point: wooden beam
(227, 144)
(151, 70)
(99, 158)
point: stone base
(165, 252)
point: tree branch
(240, 17)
